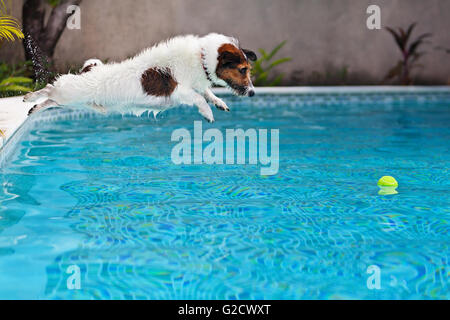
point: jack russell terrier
(181, 70)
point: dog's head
(234, 68)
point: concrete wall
(324, 36)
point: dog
(179, 71)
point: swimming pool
(102, 194)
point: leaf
(15, 80)
(262, 77)
(416, 57)
(280, 61)
(416, 44)
(9, 27)
(54, 3)
(263, 53)
(397, 38)
(3, 8)
(276, 49)
(257, 68)
(16, 88)
(410, 30)
(402, 36)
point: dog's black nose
(251, 93)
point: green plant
(11, 82)
(410, 53)
(9, 26)
(14, 79)
(263, 66)
(15, 84)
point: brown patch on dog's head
(157, 82)
(234, 68)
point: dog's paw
(221, 105)
(210, 120)
(206, 112)
(32, 110)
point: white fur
(117, 87)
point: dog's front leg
(42, 106)
(190, 97)
(43, 93)
(219, 103)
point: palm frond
(397, 37)
(3, 8)
(276, 49)
(9, 26)
(420, 40)
(409, 32)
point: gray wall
(324, 36)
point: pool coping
(14, 112)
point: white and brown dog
(181, 70)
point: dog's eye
(243, 70)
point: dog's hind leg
(43, 93)
(42, 106)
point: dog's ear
(229, 57)
(250, 55)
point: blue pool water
(102, 194)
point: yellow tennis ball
(387, 185)
(388, 181)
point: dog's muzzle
(251, 91)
